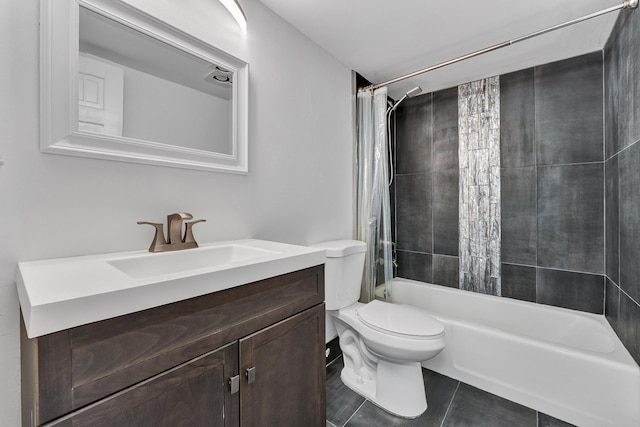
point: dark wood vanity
(252, 355)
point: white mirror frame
(59, 134)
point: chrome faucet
(176, 240)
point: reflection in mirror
(134, 86)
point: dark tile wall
(445, 271)
(568, 289)
(568, 108)
(517, 122)
(415, 266)
(445, 212)
(571, 217)
(414, 212)
(622, 179)
(519, 281)
(414, 123)
(426, 188)
(552, 177)
(612, 215)
(565, 210)
(629, 220)
(519, 215)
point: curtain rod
(631, 4)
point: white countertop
(58, 294)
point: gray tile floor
(451, 403)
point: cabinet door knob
(251, 375)
(234, 384)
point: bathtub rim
(619, 354)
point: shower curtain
(373, 206)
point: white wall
(200, 120)
(298, 189)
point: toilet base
(396, 387)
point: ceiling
(382, 39)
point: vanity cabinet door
(283, 373)
(195, 393)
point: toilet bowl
(383, 343)
(383, 359)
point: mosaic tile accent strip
(479, 213)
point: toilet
(383, 344)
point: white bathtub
(565, 363)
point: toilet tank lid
(341, 248)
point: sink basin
(158, 264)
(58, 294)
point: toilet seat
(400, 320)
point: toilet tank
(343, 272)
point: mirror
(132, 85)
(122, 85)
